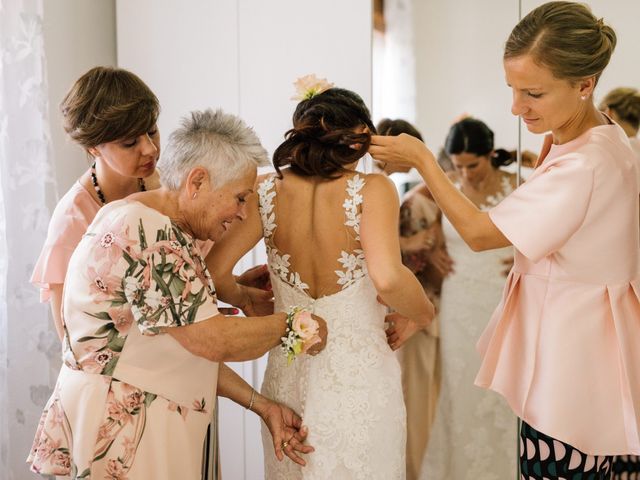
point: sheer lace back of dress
(312, 231)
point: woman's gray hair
(220, 142)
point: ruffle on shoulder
(51, 268)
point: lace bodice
(353, 263)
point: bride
(332, 242)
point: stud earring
(583, 97)
(195, 195)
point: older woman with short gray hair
(144, 338)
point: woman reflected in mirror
(561, 345)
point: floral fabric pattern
(134, 268)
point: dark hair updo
(393, 128)
(474, 136)
(319, 144)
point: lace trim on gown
(354, 266)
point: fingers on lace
(290, 451)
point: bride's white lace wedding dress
(350, 394)
(474, 433)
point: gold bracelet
(253, 399)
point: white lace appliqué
(353, 264)
(493, 200)
(278, 263)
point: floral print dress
(130, 403)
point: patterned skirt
(543, 457)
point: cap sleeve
(168, 285)
(64, 234)
(542, 214)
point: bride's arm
(395, 283)
(241, 237)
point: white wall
(459, 46)
(78, 35)
(243, 56)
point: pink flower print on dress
(132, 397)
(198, 406)
(103, 286)
(122, 318)
(168, 246)
(113, 241)
(103, 357)
(117, 412)
(116, 470)
(174, 407)
(62, 461)
(45, 449)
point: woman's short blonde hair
(220, 142)
(625, 102)
(564, 37)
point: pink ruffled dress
(563, 346)
(73, 214)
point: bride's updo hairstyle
(324, 138)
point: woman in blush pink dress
(143, 334)
(562, 345)
(623, 106)
(111, 114)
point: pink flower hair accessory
(309, 86)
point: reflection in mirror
(435, 63)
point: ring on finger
(284, 445)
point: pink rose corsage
(301, 334)
(309, 86)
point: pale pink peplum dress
(563, 346)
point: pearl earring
(583, 97)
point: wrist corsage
(301, 334)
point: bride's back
(316, 223)
(313, 239)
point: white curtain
(29, 349)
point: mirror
(435, 62)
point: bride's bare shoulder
(380, 186)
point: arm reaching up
(395, 283)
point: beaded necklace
(94, 180)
